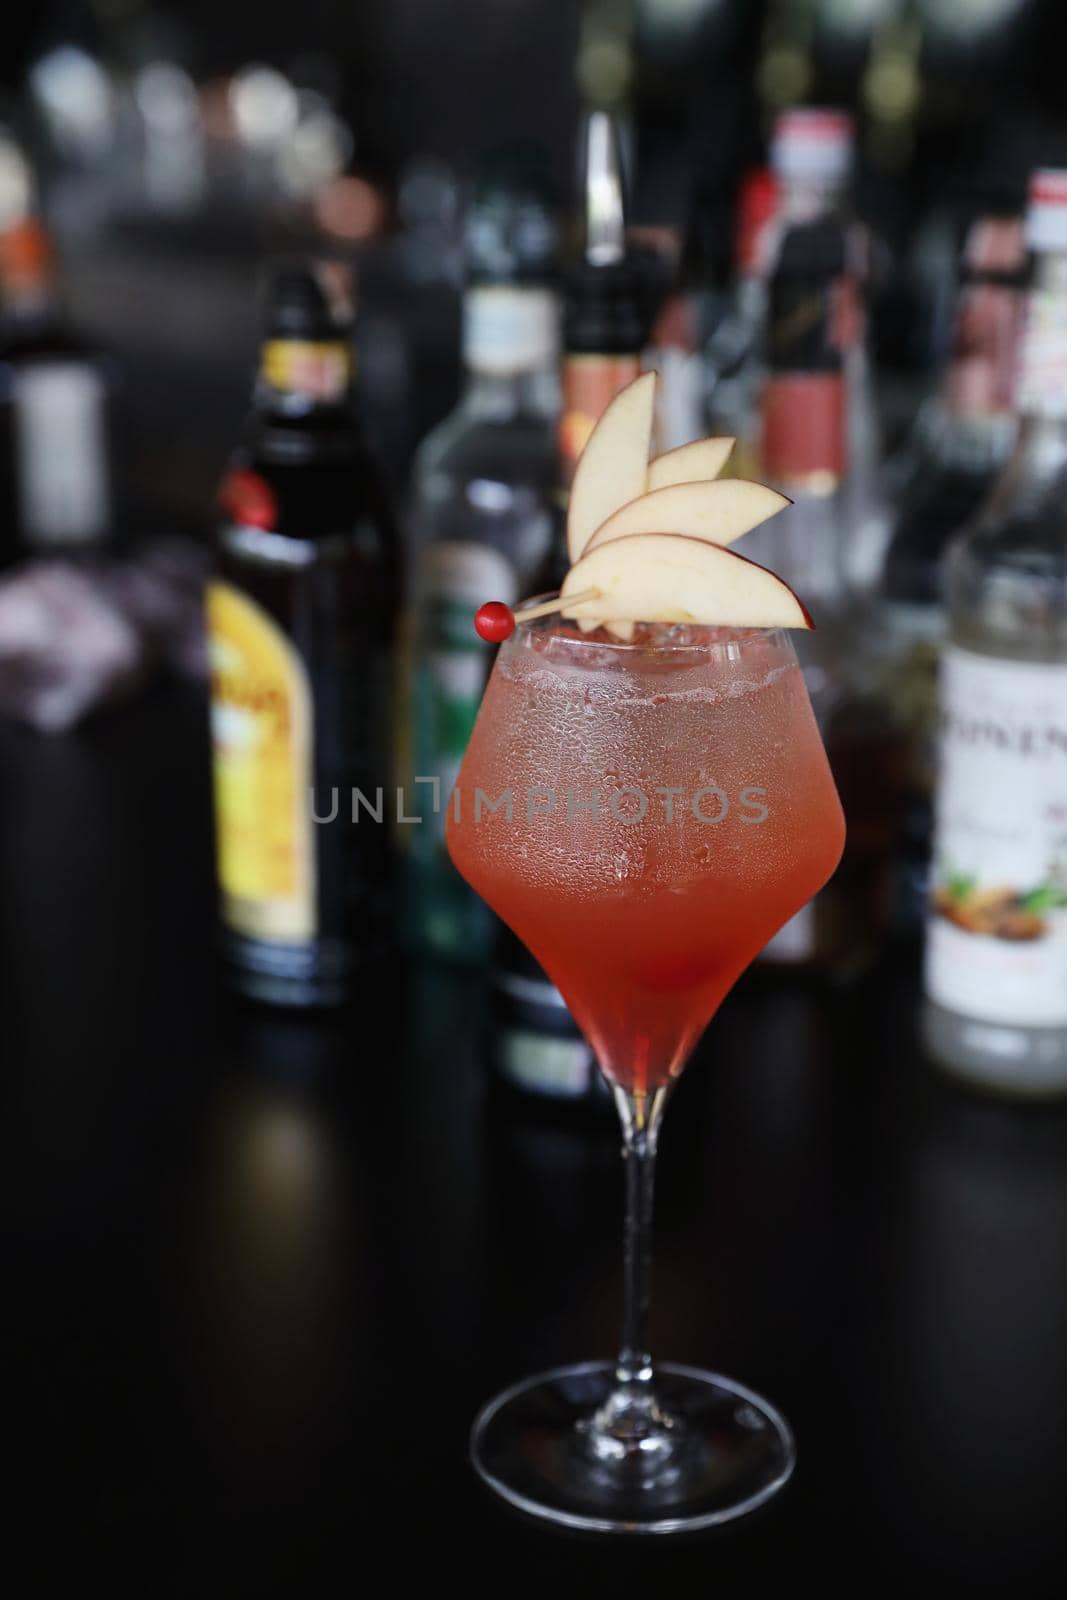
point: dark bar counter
(260, 1269)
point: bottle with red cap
(996, 953)
(734, 354)
(806, 413)
(815, 445)
(806, 180)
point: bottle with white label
(55, 400)
(996, 952)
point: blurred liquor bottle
(536, 1046)
(812, 156)
(735, 347)
(676, 308)
(301, 620)
(606, 315)
(56, 408)
(959, 444)
(482, 517)
(996, 954)
(806, 429)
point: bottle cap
(812, 145)
(1046, 212)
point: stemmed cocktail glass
(645, 816)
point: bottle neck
(298, 376)
(803, 199)
(804, 415)
(589, 382)
(1041, 388)
(970, 425)
(980, 378)
(499, 396)
(1040, 454)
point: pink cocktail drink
(662, 809)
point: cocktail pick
(494, 621)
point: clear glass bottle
(482, 517)
(961, 441)
(996, 953)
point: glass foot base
(721, 1452)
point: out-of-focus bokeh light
(318, 149)
(75, 96)
(604, 69)
(166, 98)
(961, 17)
(264, 106)
(174, 173)
(673, 16)
(784, 74)
(16, 181)
(350, 208)
(891, 85)
(856, 16)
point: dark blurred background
(174, 146)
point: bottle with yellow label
(300, 614)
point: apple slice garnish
(719, 512)
(667, 577)
(689, 463)
(623, 631)
(614, 464)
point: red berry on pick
(494, 622)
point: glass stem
(629, 1429)
(640, 1116)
